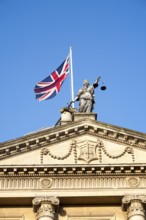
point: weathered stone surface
(83, 162)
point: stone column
(45, 207)
(135, 207)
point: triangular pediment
(85, 141)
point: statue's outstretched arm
(95, 84)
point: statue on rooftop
(86, 96)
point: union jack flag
(50, 86)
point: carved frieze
(72, 182)
(89, 151)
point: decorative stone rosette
(46, 183)
(133, 181)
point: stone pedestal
(81, 116)
(70, 114)
(66, 115)
(135, 207)
(45, 207)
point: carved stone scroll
(135, 207)
(45, 207)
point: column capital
(135, 206)
(45, 207)
(37, 201)
(128, 199)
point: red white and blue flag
(50, 86)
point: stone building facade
(82, 169)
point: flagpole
(71, 77)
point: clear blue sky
(108, 38)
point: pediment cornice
(74, 170)
(61, 133)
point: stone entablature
(67, 180)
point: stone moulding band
(136, 169)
